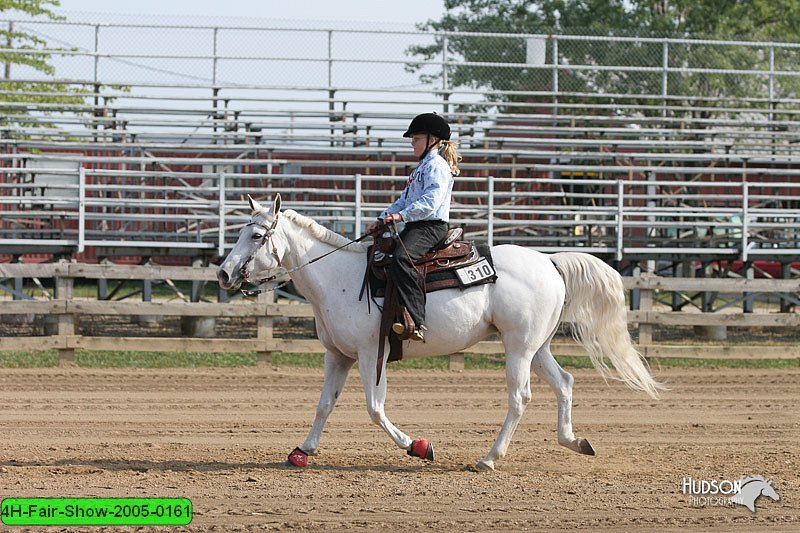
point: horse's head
(769, 491)
(256, 257)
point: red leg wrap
(421, 448)
(298, 458)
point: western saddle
(434, 268)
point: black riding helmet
(430, 123)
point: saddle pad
(439, 280)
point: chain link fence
(516, 66)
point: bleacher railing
(202, 212)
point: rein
(268, 238)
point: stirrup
(418, 334)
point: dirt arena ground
(220, 437)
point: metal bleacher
(154, 168)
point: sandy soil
(220, 437)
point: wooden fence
(66, 310)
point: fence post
(748, 298)
(645, 305)
(264, 328)
(635, 293)
(215, 59)
(456, 363)
(147, 296)
(786, 273)
(330, 61)
(717, 332)
(65, 325)
(96, 55)
(198, 326)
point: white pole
(81, 209)
(490, 213)
(620, 214)
(221, 230)
(358, 205)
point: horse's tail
(595, 305)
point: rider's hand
(388, 219)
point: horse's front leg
(376, 398)
(335, 374)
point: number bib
(475, 273)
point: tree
(708, 19)
(15, 40)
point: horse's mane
(322, 233)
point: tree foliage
(753, 20)
(20, 48)
(13, 40)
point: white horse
(524, 307)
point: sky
(343, 12)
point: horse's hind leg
(548, 369)
(336, 368)
(518, 380)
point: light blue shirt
(427, 193)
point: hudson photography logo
(727, 493)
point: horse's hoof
(585, 448)
(484, 466)
(581, 446)
(298, 458)
(421, 448)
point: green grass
(129, 359)
(162, 359)
(680, 362)
(41, 359)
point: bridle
(269, 231)
(267, 238)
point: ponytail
(449, 151)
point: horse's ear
(255, 206)
(276, 207)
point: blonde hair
(449, 151)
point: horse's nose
(223, 277)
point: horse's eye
(256, 237)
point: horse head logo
(752, 488)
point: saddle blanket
(448, 278)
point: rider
(424, 206)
